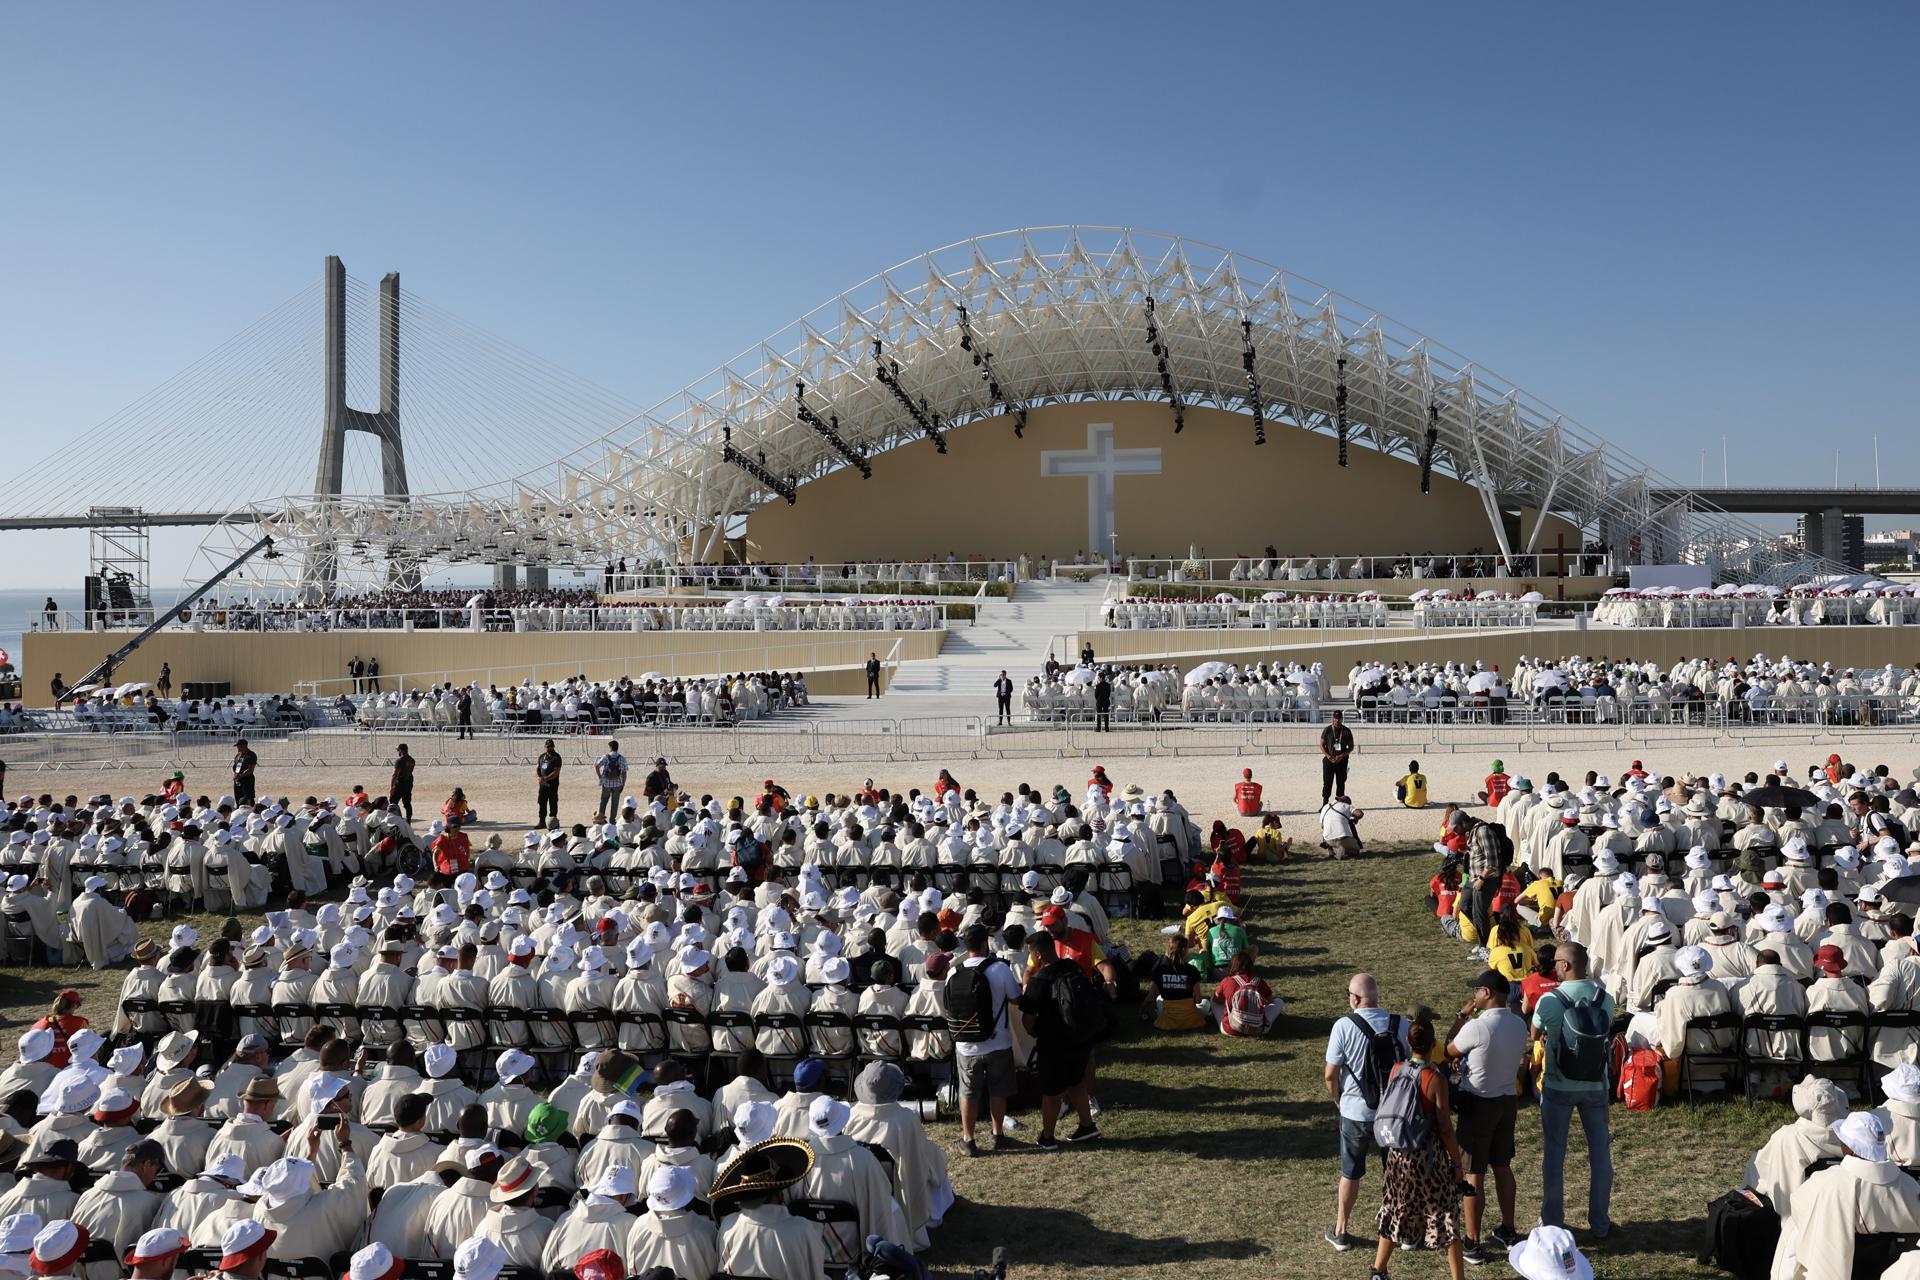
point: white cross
(1101, 464)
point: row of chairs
(847, 1043)
(1755, 1047)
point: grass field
(1221, 1152)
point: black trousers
(1102, 719)
(873, 686)
(1004, 701)
(466, 727)
(549, 804)
(1333, 778)
(403, 800)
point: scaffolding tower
(119, 562)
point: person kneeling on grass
(1243, 1002)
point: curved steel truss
(1000, 325)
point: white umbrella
(1274, 595)
(1225, 597)
(1157, 677)
(1532, 597)
(132, 686)
(1207, 671)
(82, 688)
(1443, 593)
(1079, 675)
(651, 675)
(1420, 595)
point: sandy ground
(504, 795)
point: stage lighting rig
(1426, 452)
(1340, 409)
(1159, 349)
(983, 361)
(757, 468)
(829, 431)
(1253, 384)
(887, 370)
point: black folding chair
(1725, 1030)
(1851, 1027)
(839, 1223)
(1756, 1033)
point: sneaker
(1476, 1254)
(1047, 1142)
(998, 1142)
(1505, 1237)
(1084, 1133)
(971, 1147)
(1340, 1240)
(1377, 1274)
(1478, 953)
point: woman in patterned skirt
(1420, 1201)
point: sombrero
(765, 1167)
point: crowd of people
(696, 1033)
(1149, 693)
(579, 704)
(1617, 691)
(1881, 604)
(1645, 937)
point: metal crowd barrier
(933, 739)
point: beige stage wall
(275, 662)
(1842, 646)
(988, 499)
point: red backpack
(1640, 1079)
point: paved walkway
(1010, 635)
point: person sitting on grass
(1226, 939)
(1270, 843)
(1176, 980)
(1243, 1002)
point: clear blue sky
(1670, 221)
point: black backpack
(1742, 1233)
(1383, 1052)
(1083, 1015)
(971, 1016)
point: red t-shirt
(1078, 946)
(1224, 993)
(1230, 845)
(1532, 987)
(452, 853)
(1246, 798)
(1498, 784)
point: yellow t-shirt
(1542, 894)
(1200, 920)
(1413, 791)
(1511, 963)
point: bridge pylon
(338, 417)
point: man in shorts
(1061, 1054)
(1490, 1042)
(984, 1067)
(1348, 1051)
